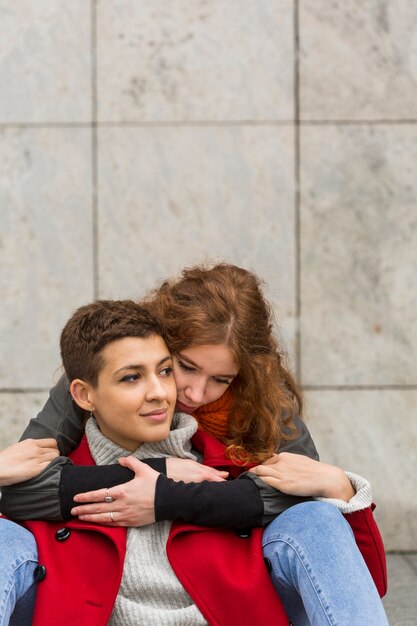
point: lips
(159, 415)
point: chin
(160, 436)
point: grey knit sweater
(150, 594)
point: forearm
(37, 498)
(228, 504)
(49, 496)
(79, 479)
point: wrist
(339, 486)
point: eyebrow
(138, 366)
(185, 358)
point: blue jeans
(318, 571)
(18, 555)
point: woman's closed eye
(191, 370)
(222, 381)
(185, 367)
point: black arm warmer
(80, 478)
(229, 504)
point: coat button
(268, 565)
(39, 573)
(62, 534)
(243, 533)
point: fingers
(134, 464)
(272, 482)
(49, 454)
(221, 473)
(215, 477)
(273, 459)
(91, 496)
(41, 445)
(265, 470)
(101, 508)
(47, 443)
(102, 518)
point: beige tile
(45, 247)
(16, 409)
(358, 60)
(45, 61)
(194, 60)
(373, 433)
(359, 255)
(171, 197)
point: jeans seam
(11, 582)
(301, 558)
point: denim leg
(17, 586)
(318, 571)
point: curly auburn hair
(224, 304)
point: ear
(82, 393)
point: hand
(133, 503)
(190, 471)
(26, 459)
(299, 475)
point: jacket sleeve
(49, 495)
(59, 419)
(275, 501)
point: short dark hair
(93, 326)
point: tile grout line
(94, 155)
(201, 123)
(297, 251)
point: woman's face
(134, 399)
(202, 375)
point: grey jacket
(247, 501)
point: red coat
(224, 574)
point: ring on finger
(108, 497)
(112, 517)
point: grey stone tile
(357, 59)
(16, 409)
(411, 558)
(358, 255)
(373, 433)
(171, 197)
(401, 600)
(45, 247)
(45, 61)
(193, 60)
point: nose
(156, 389)
(195, 391)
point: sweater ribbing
(150, 594)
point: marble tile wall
(138, 137)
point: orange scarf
(213, 418)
